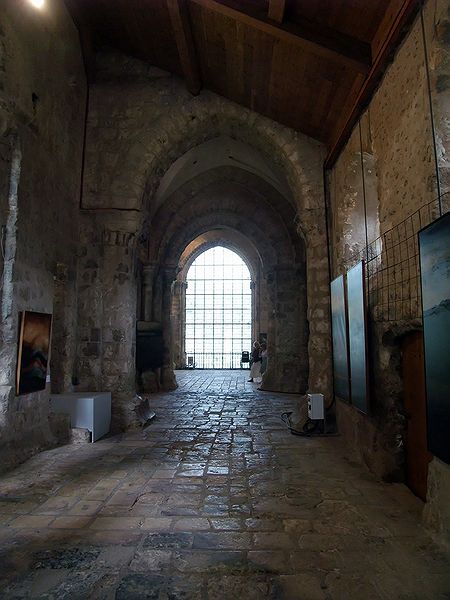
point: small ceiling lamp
(37, 3)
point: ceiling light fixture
(37, 3)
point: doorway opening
(218, 318)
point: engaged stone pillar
(64, 326)
(148, 291)
(178, 309)
(9, 316)
(270, 376)
(119, 320)
(168, 380)
(287, 367)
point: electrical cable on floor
(309, 427)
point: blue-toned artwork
(340, 348)
(357, 337)
(435, 276)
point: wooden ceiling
(308, 64)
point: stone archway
(126, 159)
(237, 243)
(258, 222)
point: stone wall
(107, 305)
(388, 183)
(141, 120)
(42, 96)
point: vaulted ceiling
(308, 64)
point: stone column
(168, 380)
(270, 380)
(287, 336)
(255, 313)
(118, 327)
(9, 317)
(157, 295)
(148, 291)
(63, 328)
(178, 318)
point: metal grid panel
(218, 309)
(393, 269)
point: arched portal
(231, 207)
(218, 310)
(193, 168)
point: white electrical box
(316, 406)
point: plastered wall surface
(388, 183)
(42, 93)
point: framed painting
(33, 352)
(434, 244)
(357, 327)
(340, 345)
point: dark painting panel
(357, 336)
(33, 353)
(435, 277)
(340, 348)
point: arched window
(218, 310)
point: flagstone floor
(214, 500)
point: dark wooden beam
(86, 36)
(181, 25)
(392, 39)
(321, 41)
(276, 10)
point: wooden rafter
(181, 25)
(276, 10)
(321, 41)
(406, 13)
(86, 38)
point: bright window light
(37, 3)
(218, 309)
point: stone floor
(214, 500)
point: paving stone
(261, 514)
(301, 587)
(65, 558)
(254, 587)
(70, 522)
(31, 521)
(151, 559)
(168, 540)
(140, 586)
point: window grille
(218, 310)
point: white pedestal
(87, 410)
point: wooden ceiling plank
(276, 10)
(353, 53)
(394, 8)
(407, 12)
(181, 25)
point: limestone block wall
(42, 101)
(107, 304)
(388, 183)
(141, 120)
(436, 16)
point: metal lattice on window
(218, 310)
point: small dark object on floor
(143, 412)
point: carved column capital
(170, 275)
